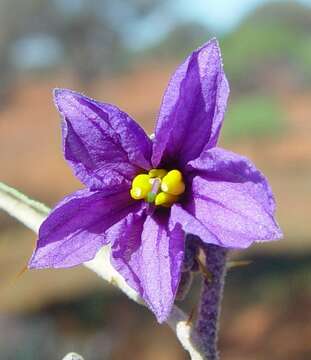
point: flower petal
(149, 256)
(103, 145)
(224, 165)
(231, 199)
(193, 107)
(192, 225)
(75, 230)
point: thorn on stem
(238, 263)
(191, 315)
(204, 270)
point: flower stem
(210, 301)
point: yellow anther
(172, 183)
(141, 180)
(157, 173)
(165, 199)
(137, 193)
(141, 186)
(158, 187)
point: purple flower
(142, 196)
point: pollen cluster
(159, 187)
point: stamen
(160, 173)
(172, 183)
(158, 187)
(165, 199)
(140, 187)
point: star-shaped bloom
(143, 196)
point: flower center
(159, 187)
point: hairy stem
(210, 301)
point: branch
(29, 212)
(32, 213)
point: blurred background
(123, 52)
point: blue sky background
(221, 15)
(218, 15)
